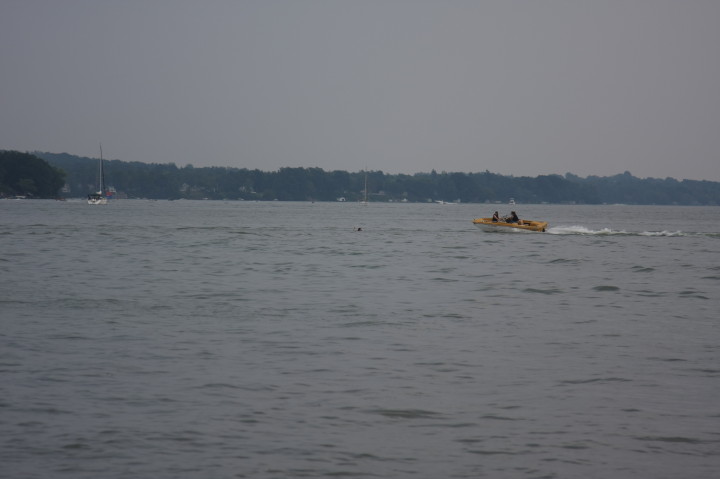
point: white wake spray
(582, 230)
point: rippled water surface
(274, 340)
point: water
(273, 340)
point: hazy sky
(515, 87)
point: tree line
(26, 175)
(168, 181)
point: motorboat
(487, 224)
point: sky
(521, 88)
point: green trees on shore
(23, 174)
(168, 181)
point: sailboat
(365, 199)
(99, 198)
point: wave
(662, 233)
(582, 230)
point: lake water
(155, 339)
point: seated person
(496, 217)
(513, 218)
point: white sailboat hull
(97, 200)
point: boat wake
(582, 230)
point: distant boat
(512, 202)
(99, 198)
(365, 200)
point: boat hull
(487, 224)
(97, 199)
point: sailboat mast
(102, 173)
(365, 186)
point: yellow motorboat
(487, 224)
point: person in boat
(513, 218)
(496, 217)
